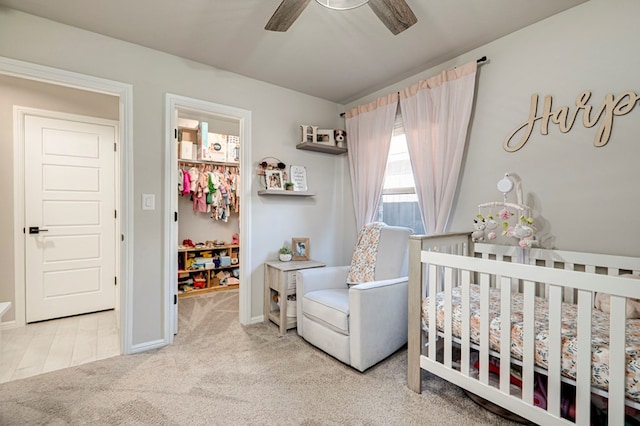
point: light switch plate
(148, 202)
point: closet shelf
(206, 278)
(214, 163)
(190, 271)
(286, 193)
(226, 246)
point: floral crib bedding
(599, 330)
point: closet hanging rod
(479, 61)
(208, 162)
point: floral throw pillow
(363, 262)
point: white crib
(440, 263)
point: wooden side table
(280, 281)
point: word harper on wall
(565, 118)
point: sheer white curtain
(369, 131)
(436, 113)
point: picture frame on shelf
(274, 180)
(300, 247)
(298, 175)
(325, 137)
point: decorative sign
(565, 118)
(299, 178)
(309, 133)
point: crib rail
(560, 259)
(454, 243)
(442, 272)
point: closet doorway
(208, 216)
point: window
(399, 204)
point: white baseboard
(146, 346)
(6, 325)
(256, 320)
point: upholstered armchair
(358, 313)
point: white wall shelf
(286, 193)
(328, 149)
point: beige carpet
(220, 373)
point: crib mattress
(599, 341)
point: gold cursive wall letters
(564, 118)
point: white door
(69, 216)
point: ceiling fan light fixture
(396, 15)
(342, 4)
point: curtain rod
(479, 61)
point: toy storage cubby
(206, 269)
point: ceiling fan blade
(395, 14)
(286, 14)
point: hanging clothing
(186, 184)
(200, 203)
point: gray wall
(276, 115)
(584, 197)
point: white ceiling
(336, 55)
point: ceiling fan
(395, 14)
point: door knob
(36, 230)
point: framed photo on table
(274, 179)
(300, 247)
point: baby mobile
(522, 228)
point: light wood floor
(57, 344)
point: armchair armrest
(377, 320)
(382, 283)
(321, 279)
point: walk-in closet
(209, 204)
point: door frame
(173, 103)
(124, 164)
